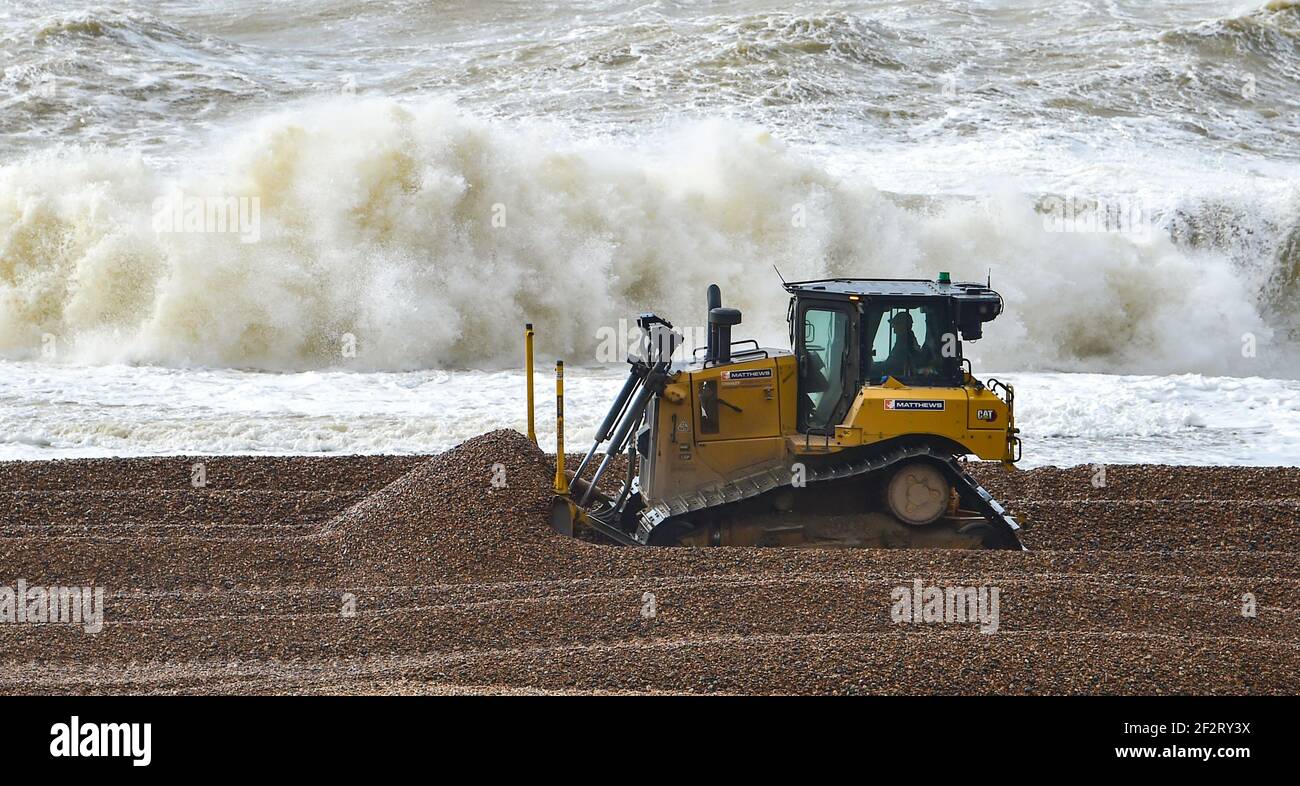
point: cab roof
(885, 287)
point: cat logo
(989, 415)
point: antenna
(778, 274)
(989, 285)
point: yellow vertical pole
(528, 365)
(561, 482)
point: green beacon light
(944, 278)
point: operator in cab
(906, 354)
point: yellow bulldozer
(855, 436)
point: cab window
(912, 343)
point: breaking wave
(419, 237)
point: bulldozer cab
(846, 333)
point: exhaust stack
(714, 300)
(721, 320)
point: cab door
(826, 344)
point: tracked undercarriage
(905, 498)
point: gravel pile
(446, 579)
(470, 513)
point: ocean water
(301, 227)
(1066, 418)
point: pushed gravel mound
(478, 511)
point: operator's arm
(903, 357)
(895, 361)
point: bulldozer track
(719, 496)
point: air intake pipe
(721, 320)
